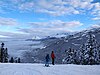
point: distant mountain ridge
(59, 45)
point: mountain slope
(60, 45)
(39, 69)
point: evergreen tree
(75, 58)
(6, 55)
(98, 54)
(83, 55)
(91, 50)
(70, 56)
(11, 60)
(18, 60)
(2, 45)
(2, 52)
(89, 53)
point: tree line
(4, 56)
(88, 54)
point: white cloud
(27, 6)
(73, 24)
(52, 7)
(96, 26)
(96, 11)
(80, 5)
(14, 34)
(96, 18)
(55, 8)
(8, 21)
(41, 32)
(40, 28)
(51, 27)
(56, 24)
(60, 7)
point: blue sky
(29, 18)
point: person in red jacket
(53, 57)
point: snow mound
(40, 69)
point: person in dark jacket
(53, 57)
(47, 58)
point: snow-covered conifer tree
(92, 50)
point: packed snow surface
(40, 69)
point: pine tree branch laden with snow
(89, 53)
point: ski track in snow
(39, 69)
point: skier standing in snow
(53, 57)
(47, 60)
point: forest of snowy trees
(4, 57)
(89, 53)
(3, 54)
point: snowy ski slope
(40, 69)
